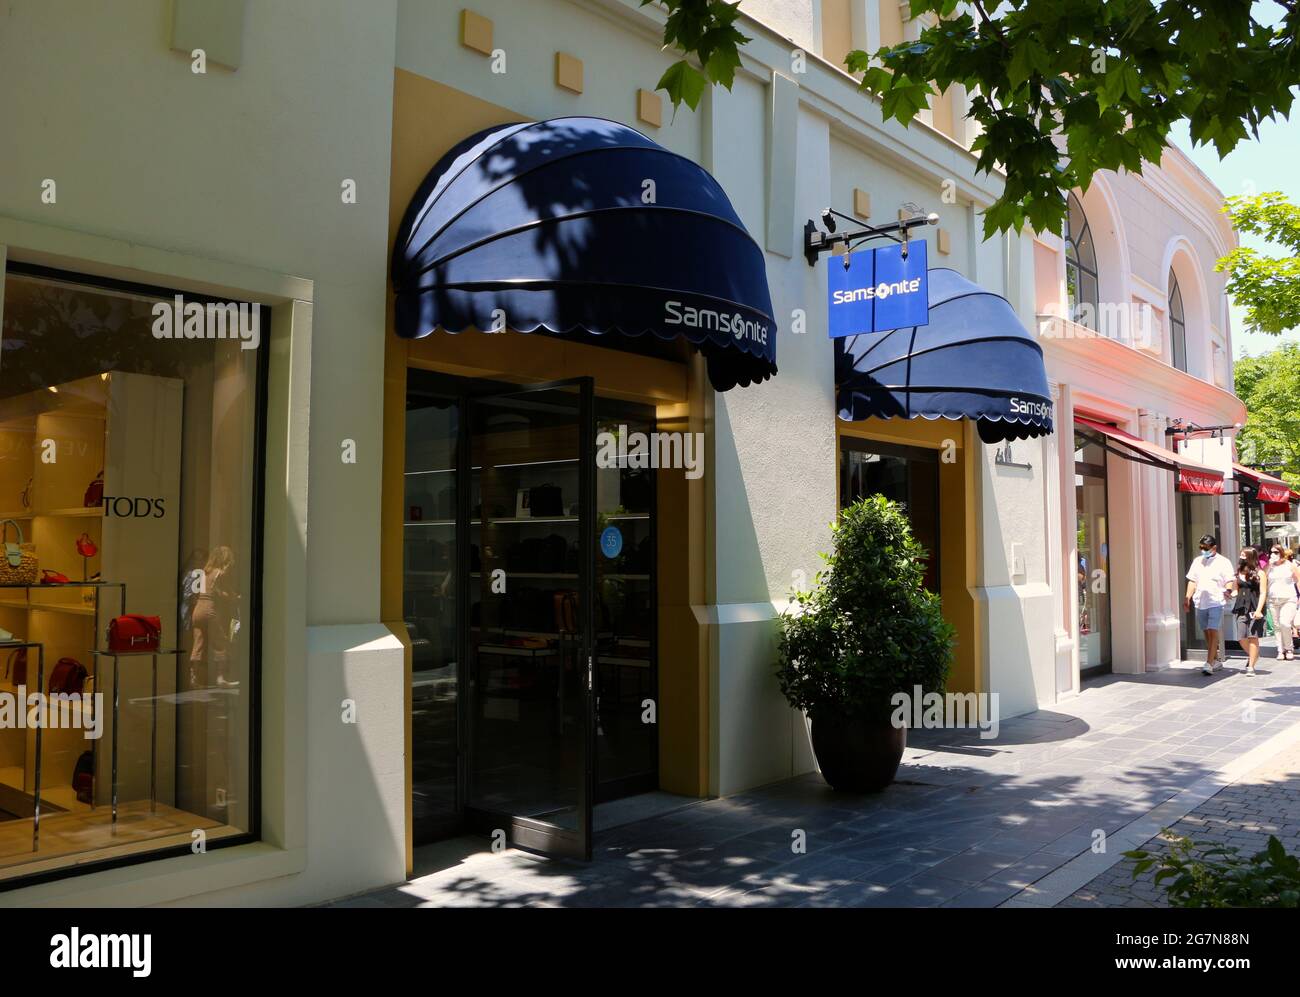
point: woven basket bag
(26, 570)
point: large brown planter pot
(856, 754)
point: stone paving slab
(971, 821)
(1265, 801)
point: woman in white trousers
(1283, 576)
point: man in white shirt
(1208, 581)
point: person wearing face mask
(1209, 580)
(1251, 589)
(1283, 574)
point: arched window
(1177, 326)
(1080, 266)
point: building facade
(372, 589)
(1134, 323)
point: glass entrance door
(527, 556)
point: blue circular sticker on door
(611, 541)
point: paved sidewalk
(970, 822)
(1266, 801)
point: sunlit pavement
(1264, 802)
(1029, 818)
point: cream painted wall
(245, 166)
(227, 178)
(618, 59)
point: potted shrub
(867, 630)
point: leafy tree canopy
(1267, 286)
(1270, 387)
(1058, 88)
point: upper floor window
(1080, 266)
(1177, 324)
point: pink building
(1135, 329)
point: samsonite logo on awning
(1024, 406)
(732, 323)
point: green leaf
(683, 83)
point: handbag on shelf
(18, 566)
(134, 632)
(67, 677)
(52, 577)
(85, 546)
(545, 500)
(83, 777)
(16, 664)
(95, 492)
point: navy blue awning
(973, 361)
(583, 226)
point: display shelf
(76, 512)
(48, 607)
(531, 574)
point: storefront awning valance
(1194, 477)
(1268, 489)
(974, 360)
(584, 226)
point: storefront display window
(129, 476)
(1198, 515)
(1093, 542)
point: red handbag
(85, 546)
(95, 492)
(17, 664)
(51, 577)
(134, 632)
(68, 676)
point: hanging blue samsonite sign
(880, 290)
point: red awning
(1268, 488)
(1201, 479)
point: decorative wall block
(649, 108)
(568, 72)
(476, 32)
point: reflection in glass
(908, 475)
(1177, 324)
(1093, 542)
(429, 605)
(626, 746)
(1080, 266)
(527, 717)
